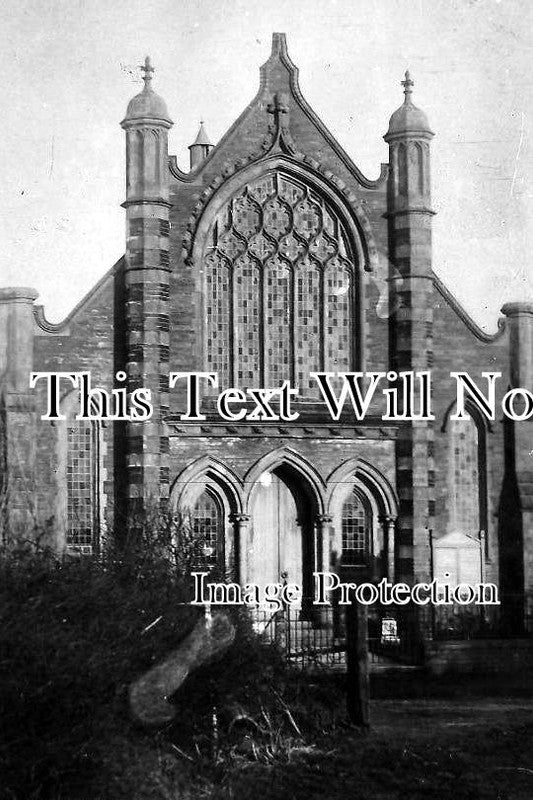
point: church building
(273, 258)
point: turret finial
(148, 71)
(407, 84)
(147, 104)
(408, 119)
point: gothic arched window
(208, 528)
(83, 496)
(280, 287)
(355, 522)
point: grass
(395, 763)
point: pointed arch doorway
(281, 535)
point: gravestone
(458, 555)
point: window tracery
(280, 287)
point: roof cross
(407, 85)
(148, 70)
(278, 107)
(280, 130)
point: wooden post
(357, 676)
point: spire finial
(148, 70)
(407, 84)
(279, 44)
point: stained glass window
(307, 322)
(219, 315)
(278, 322)
(247, 288)
(280, 287)
(338, 315)
(82, 485)
(355, 531)
(208, 528)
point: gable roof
(280, 74)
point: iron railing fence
(316, 637)
(319, 639)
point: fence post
(357, 675)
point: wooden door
(276, 534)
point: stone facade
(272, 258)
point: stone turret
(411, 287)
(146, 279)
(201, 147)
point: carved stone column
(323, 522)
(388, 523)
(241, 522)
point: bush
(76, 632)
(73, 635)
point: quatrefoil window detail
(280, 287)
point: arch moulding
(189, 483)
(285, 457)
(369, 479)
(344, 202)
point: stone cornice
(18, 294)
(363, 430)
(518, 308)
(143, 201)
(146, 122)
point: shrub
(73, 634)
(76, 632)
